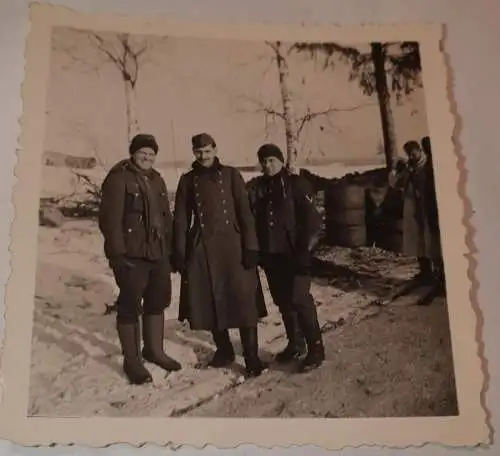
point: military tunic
(139, 257)
(287, 225)
(213, 225)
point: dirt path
(394, 364)
(76, 357)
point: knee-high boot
(224, 353)
(312, 332)
(296, 347)
(250, 343)
(133, 365)
(153, 327)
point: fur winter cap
(143, 140)
(270, 150)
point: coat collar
(216, 166)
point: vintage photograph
(238, 229)
(237, 222)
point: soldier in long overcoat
(136, 223)
(288, 224)
(216, 252)
(415, 179)
(438, 264)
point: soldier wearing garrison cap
(216, 252)
(136, 223)
(287, 228)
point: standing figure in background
(415, 179)
(287, 224)
(136, 223)
(216, 252)
(433, 210)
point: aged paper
(90, 81)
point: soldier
(216, 252)
(136, 223)
(414, 178)
(287, 225)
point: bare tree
(300, 121)
(127, 53)
(288, 113)
(401, 61)
(126, 58)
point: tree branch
(273, 45)
(313, 115)
(100, 45)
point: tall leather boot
(153, 328)
(296, 347)
(250, 343)
(312, 332)
(133, 365)
(425, 266)
(224, 353)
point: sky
(186, 86)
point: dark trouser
(148, 281)
(142, 280)
(291, 293)
(431, 268)
(425, 267)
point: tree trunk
(384, 100)
(131, 109)
(288, 112)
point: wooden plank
(399, 291)
(416, 296)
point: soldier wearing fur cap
(287, 228)
(136, 223)
(216, 252)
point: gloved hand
(250, 259)
(303, 263)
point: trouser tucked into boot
(133, 366)
(149, 281)
(307, 318)
(296, 347)
(153, 327)
(142, 280)
(291, 293)
(280, 275)
(250, 344)
(224, 353)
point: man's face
(271, 166)
(205, 155)
(144, 158)
(414, 154)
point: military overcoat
(420, 223)
(213, 225)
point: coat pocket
(134, 198)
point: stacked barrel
(345, 215)
(385, 225)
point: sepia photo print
(242, 228)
